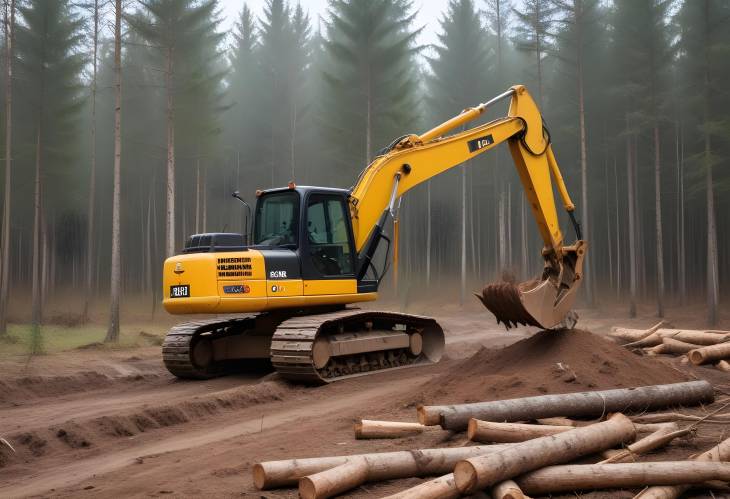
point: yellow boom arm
(416, 159)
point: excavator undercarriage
(305, 347)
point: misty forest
(126, 125)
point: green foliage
(49, 64)
(371, 74)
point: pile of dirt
(548, 362)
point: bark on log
(382, 466)
(508, 490)
(658, 439)
(442, 487)
(483, 471)
(558, 422)
(723, 365)
(582, 404)
(718, 453)
(673, 347)
(709, 354)
(366, 428)
(487, 431)
(335, 480)
(629, 334)
(620, 476)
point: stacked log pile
(700, 347)
(531, 446)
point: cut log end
(427, 416)
(259, 476)
(465, 477)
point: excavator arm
(413, 159)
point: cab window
(329, 242)
(276, 220)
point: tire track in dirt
(71, 473)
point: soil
(99, 423)
(548, 362)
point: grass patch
(22, 339)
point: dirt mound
(548, 362)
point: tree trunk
(112, 334)
(36, 314)
(382, 466)
(708, 354)
(197, 196)
(334, 481)
(582, 404)
(477, 473)
(492, 432)
(462, 287)
(92, 174)
(635, 334)
(508, 490)
(620, 476)
(673, 347)
(720, 452)
(583, 148)
(442, 487)
(428, 235)
(386, 429)
(658, 439)
(658, 221)
(632, 224)
(713, 289)
(170, 208)
(9, 19)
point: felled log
(558, 422)
(620, 476)
(487, 431)
(381, 466)
(484, 471)
(672, 347)
(723, 365)
(655, 440)
(442, 487)
(366, 428)
(508, 490)
(695, 337)
(629, 334)
(713, 353)
(718, 453)
(333, 481)
(582, 404)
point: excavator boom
(414, 159)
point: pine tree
(185, 32)
(371, 77)
(283, 56)
(459, 78)
(9, 27)
(533, 35)
(704, 42)
(49, 64)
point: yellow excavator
(283, 296)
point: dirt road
(101, 424)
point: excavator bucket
(545, 303)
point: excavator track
(299, 341)
(310, 348)
(179, 348)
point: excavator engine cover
(544, 303)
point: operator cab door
(327, 249)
